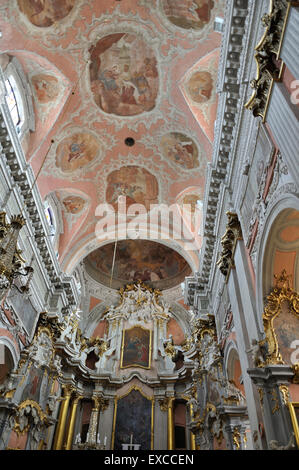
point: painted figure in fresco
(200, 86)
(180, 149)
(139, 260)
(184, 154)
(124, 75)
(74, 204)
(190, 13)
(123, 189)
(76, 151)
(46, 87)
(45, 13)
(135, 183)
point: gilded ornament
(282, 292)
(295, 368)
(273, 393)
(237, 438)
(268, 72)
(261, 394)
(163, 404)
(284, 389)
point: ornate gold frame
(43, 417)
(133, 387)
(281, 292)
(295, 422)
(122, 349)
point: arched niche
(8, 358)
(282, 250)
(233, 369)
(278, 249)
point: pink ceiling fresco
(104, 71)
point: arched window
(18, 94)
(51, 220)
(14, 102)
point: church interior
(149, 225)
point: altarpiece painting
(136, 348)
(133, 420)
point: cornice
(22, 179)
(235, 45)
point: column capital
(100, 403)
(68, 389)
(166, 403)
(77, 398)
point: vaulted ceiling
(101, 72)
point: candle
(99, 440)
(87, 437)
(131, 442)
(105, 440)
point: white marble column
(290, 45)
(283, 119)
(105, 425)
(160, 426)
(239, 314)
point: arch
(91, 243)
(232, 365)
(265, 260)
(9, 348)
(54, 218)
(18, 89)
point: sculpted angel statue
(259, 351)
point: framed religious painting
(133, 422)
(136, 348)
(294, 412)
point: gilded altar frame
(281, 292)
(149, 351)
(116, 399)
(295, 419)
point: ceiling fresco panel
(188, 14)
(45, 13)
(180, 149)
(137, 260)
(101, 72)
(137, 184)
(76, 151)
(123, 75)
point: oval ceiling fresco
(180, 149)
(44, 13)
(76, 151)
(123, 75)
(137, 260)
(188, 14)
(137, 184)
(200, 86)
